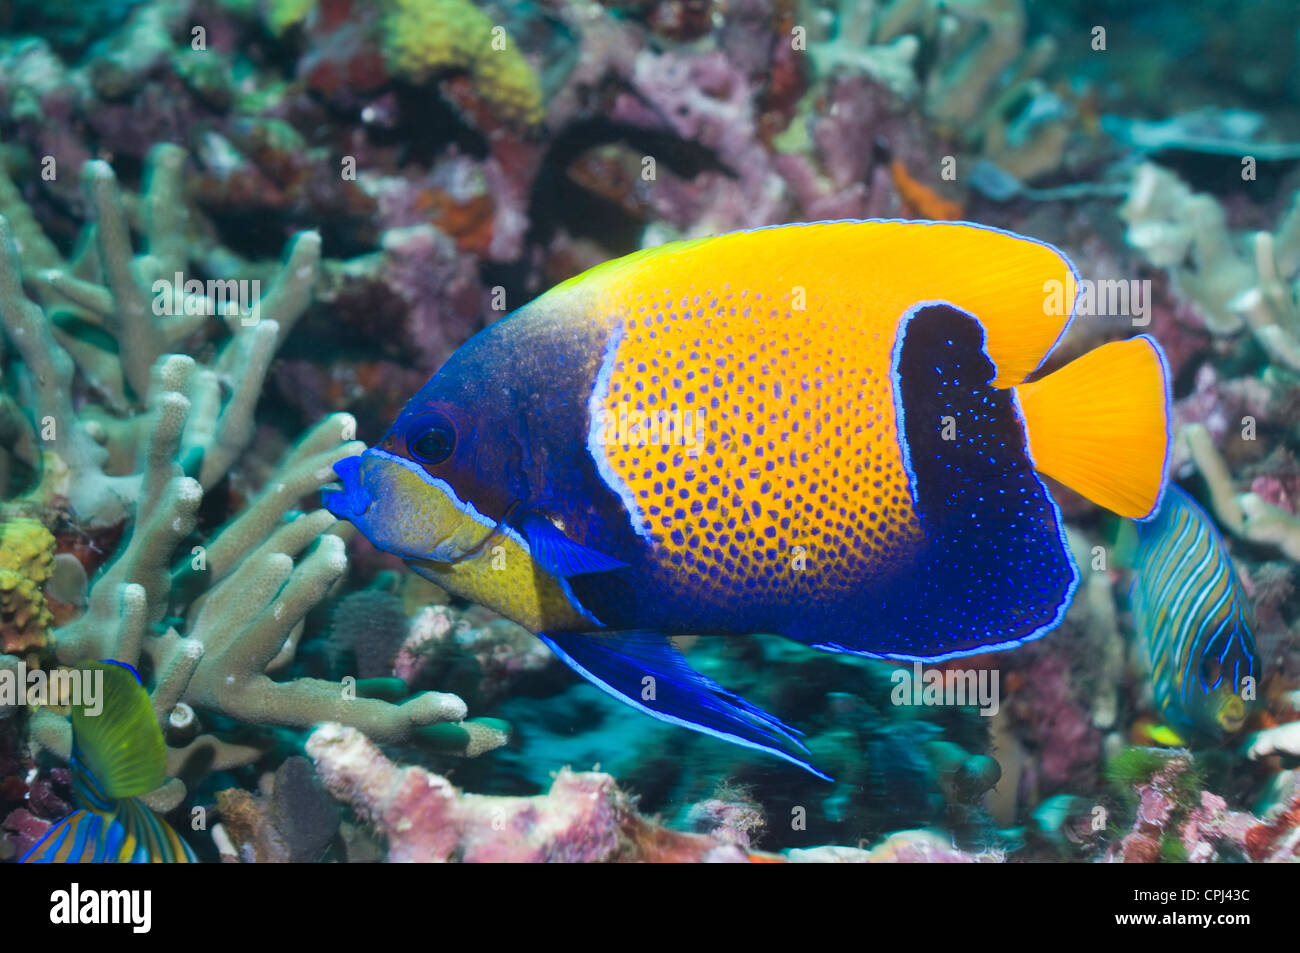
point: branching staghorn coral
(1232, 283)
(141, 303)
(1247, 515)
(1269, 306)
(260, 574)
(1235, 283)
(983, 84)
(256, 579)
(1186, 234)
(206, 630)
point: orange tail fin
(1100, 425)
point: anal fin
(619, 663)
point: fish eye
(432, 439)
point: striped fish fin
(60, 840)
(117, 752)
(1188, 604)
(120, 746)
(156, 841)
(83, 837)
(133, 834)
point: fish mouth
(1232, 721)
(347, 499)
(1232, 716)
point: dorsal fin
(116, 736)
(1020, 289)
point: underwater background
(389, 177)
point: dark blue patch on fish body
(994, 569)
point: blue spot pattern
(994, 569)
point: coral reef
(292, 820)
(730, 817)
(386, 178)
(478, 654)
(31, 800)
(370, 627)
(423, 37)
(26, 562)
(895, 767)
(1231, 282)
(143, 308)
(1176, 819)
(983, 85)
(584, 817)
(210, 625)
(902, 847)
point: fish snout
(1232, 715)
(352, 500)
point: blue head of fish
(405, 510)
(444, 476)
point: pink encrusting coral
(1177, 819)
(440, 638)
(903, 847)
(426, 631)
(1056, 722)
(1276, 837)
(583, 818)
(1209, 823)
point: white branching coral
(207, 618)
(983, 84)
(104, 319)
(1232, 281)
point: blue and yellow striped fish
(1189, 608)
(117, 756)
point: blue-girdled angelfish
(117, 756)
(1191, 612)
(825, 431)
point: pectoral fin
(558, 554)
(642, 669)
